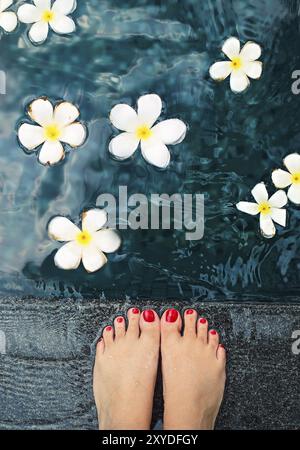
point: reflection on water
(120, 51)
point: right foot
(193, 368)
(125, 371)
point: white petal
(124, 145)
(292, 162)
(42, 4)
(124, 117)
(278, 200)
(31, 136)
(68, 257)
(93, 219)
(149, 109)
(38, 32)
(62, 229)
(248, 207)
(281, 178)
(239, 81)
(279, 216)
(8, 21)
(4, 4)
(74, 134)
(267, 226)
(220, 70)
(62, 24)
(41, 111)
(251, 51)
(253, 69)
(294, 194)
(64, 6)
(92, 258)
(51, 153)
(107, 240)
(65, 113)
(170, 131)
(28, 13)
(260, 193)
(231, 47)
(155, 152)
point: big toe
(171, 324)
(150, 325)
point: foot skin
(125, 371)
(193, 372)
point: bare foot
(193, 372)
(125, 371)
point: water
(121, 50)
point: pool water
(121, 50)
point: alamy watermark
(2, 82)
(2, 343)
(156, 211)
(296, 343)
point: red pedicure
(203, 321)
(135, 310)
(221, 345)
(109, 328)
(119, 319)
(213, 332)
(190, 311)
(149, 315)
(171, 315)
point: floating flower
(243, 64)
(268, 208)
(43, 14)
(283, 179)
(8, 19)
(87, 244)
(55, 127)
(138, 128)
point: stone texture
(46, 371)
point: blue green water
(121, 50)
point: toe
(108, 335)
(100, 347)
(190, 318)
(171, 324)
(119, 327)
(202, 326)
(213, 339)
(221, 354)
(149, 323)
(133, 329)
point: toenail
(135, 310)
(222, 346)
(213, 332)
(108, 328)
(119, 319)
(149, 315)
(190, 311)
(203, 321)
(171, 315)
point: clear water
(121, 50)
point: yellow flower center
(83, 238)
(296, 178)
(143, 132)
(236, 63)
(52, 132)
(47, 16)
(264, 208)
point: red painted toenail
(203, 321)
(135, 310)
(213, 332)
(190, 311)
(149, 315)
(120, 319)
(222, 346)
(171, 315)
(108, 328)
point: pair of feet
(125, 371)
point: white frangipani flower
(8, 19)
(243, 64)
(43, 14)
(138, 128)
(87, 244)
(282, 178)
(55, 127)
(270, 209)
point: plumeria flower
(8, 19)
(43, 14)
(54, 127)
(243, 64)
(87, 244)
(282, 178)
(138, 129)
(270, 209)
